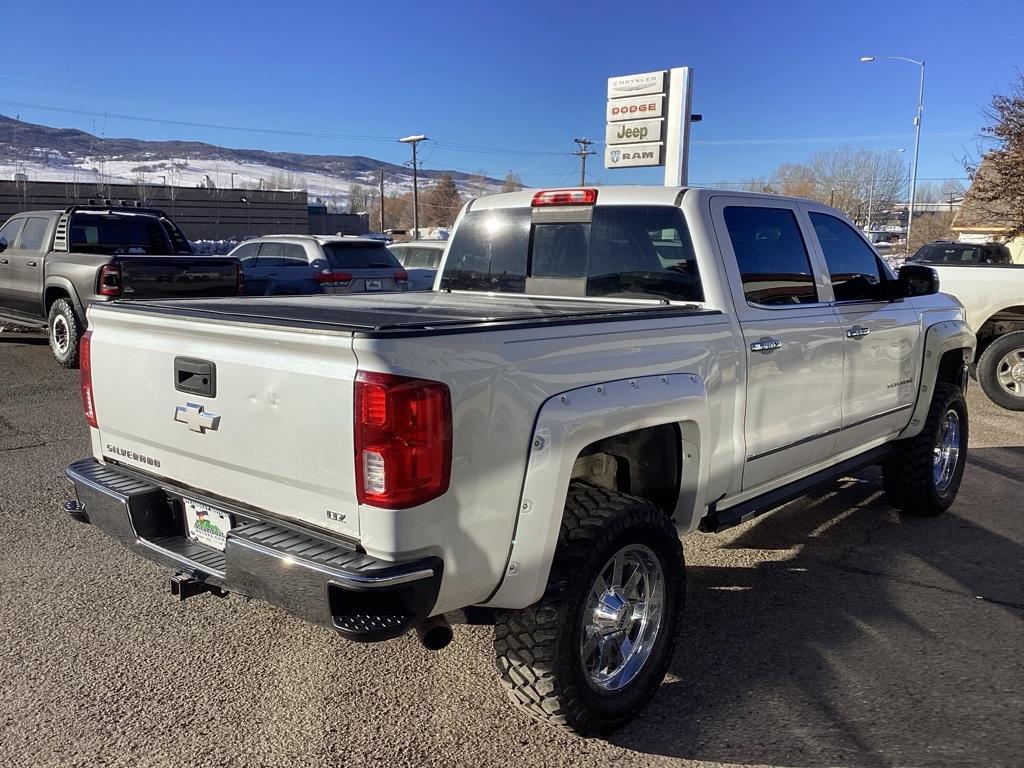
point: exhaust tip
(435, 633)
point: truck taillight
(85, 368)
(564, 197)
(403, 440)
(109, 281)
(332, 276)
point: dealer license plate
(374, 285)
(205, 524)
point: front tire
(596, 647)
(64, 332)
(923, 475)
(1001, 371)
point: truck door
(794, 346)
(10, 232)
(882, 339)
(26, 266)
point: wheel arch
(57, 288)
(624, 420)
(948, 350)
(1000, 322)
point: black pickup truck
(54, 264)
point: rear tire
(1001, 371)
(64, 331)
(593, 651)
(923, 476)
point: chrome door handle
(765, 344)
(30, 263)
(857, 331)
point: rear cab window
(114, 234)
(614, 251)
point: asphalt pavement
(832, 632)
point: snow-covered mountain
(43, 153)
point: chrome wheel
(621, 618)
(947, 451)
(1010, 372)
(60, 334)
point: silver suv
(278, 265)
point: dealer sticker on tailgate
(205, 524)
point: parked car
(993, 296)
(55, 264)
(600, 371)
(421, 258)
(283, 265)
(946, 252)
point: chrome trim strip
(354, 579)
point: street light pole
(414, 140)
(917, 135)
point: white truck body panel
(983, 290)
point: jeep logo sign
(635, 108)
(633, 155)
(633, 132)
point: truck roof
(636, 194)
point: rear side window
(623, 252)
(294, 255)
(271, 255)
(771, 256)
(422, 258)
(852, 264)
(359, 256)
(33, 233)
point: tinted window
(271, 255)
(950, 253)
(625, 252)
(247, 254)
(489, 250)
(360, 256)
(771, 255)
(33, 233)
(294, 255)
(11, 230)
(852, 263)
(109, 234)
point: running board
(717, 520)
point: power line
(583, 153)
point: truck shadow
(884, 639)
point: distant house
(978, 222)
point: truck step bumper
(319, 578)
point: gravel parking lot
(833, 632)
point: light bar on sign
(565, 197)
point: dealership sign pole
(648, 122)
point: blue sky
(775, 81)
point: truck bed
(408, 314)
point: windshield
(359, 256)
(113, 234)
(623, 252)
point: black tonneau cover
(413, 313)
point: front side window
(11, 230)
(247, 254)
(33, 233)
(623, 252)
(771, 255)
(855, 269)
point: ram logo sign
(633, 155)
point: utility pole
(414, 140)
(582, 153)
(382, 200)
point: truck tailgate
(155, 277)
(275, 433)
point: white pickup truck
(597, 372)
(993, 296)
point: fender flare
(68, 287)
(568, 422)
(940, 338)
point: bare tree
(512, 182)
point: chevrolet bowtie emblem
(196, 417)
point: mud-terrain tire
(1001, 371)
(64, 332)
(923, 475)
(608, 540)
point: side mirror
(3, 244)
(916, 280)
